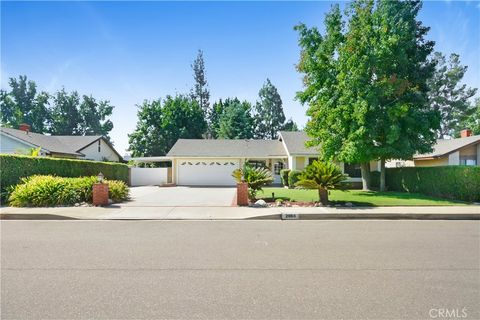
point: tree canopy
(200, 91)
(61, 113)
(269, 116)
(448, 95)
(162, 122)
(366, 83)
(23, 104)
(471, 120)
(236, 121)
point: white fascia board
(284, 144)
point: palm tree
(256, 178)
(323, 176)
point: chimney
(465, 133)
(24, 127)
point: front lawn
(358, 197)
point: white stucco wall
(91, 152)
(148, 176)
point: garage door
(206, 172)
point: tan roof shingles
(227, 148)
(295, 142)
(55, 144)
(446, 146)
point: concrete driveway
(153, 196)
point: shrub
(43, 191)
(284, 176)
(16, 167)
(256, 178)
(293, 177)
(452, 182)
(117, 190)
(322, 176)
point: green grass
(358, 197)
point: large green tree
(65, 113)
(290, 125)
(94, 116)
(23, 104)
(472, 120)
(74, 115)
(236, 121)
(366, 84)
(200, 90)
(447, 94)
(214, 116)
(269, 116)
(62, 113)
(162, 122)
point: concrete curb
(301, 216)
(375, 216)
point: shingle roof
(56, 144)
(295, 142)
(446, 146)
(227, 148)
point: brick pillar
(242, 194)
(100, 194)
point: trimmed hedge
(284, 176)
(293, 177)
(16, 167)
(452, 182)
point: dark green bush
(284, 176)
(16, 167)
(293, 177)
(452, 182)
(43, 191)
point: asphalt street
(240, 269)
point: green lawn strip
(359, 198)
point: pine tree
(200, 91)
(269, 116)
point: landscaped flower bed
(46, 191)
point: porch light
(100, 177)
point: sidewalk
(116, 212)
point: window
(353, 170)
(99, 141)
(277, 167)
(257, 164)
(310, 160)
(470, 160)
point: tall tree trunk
(323, 194)
(365, 169)
(382, 174)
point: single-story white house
(206, 162)
(21, 141)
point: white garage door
(206, 172)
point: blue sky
(130, 51)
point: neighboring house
(211, 162)
(461, 151)
(96, 148)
